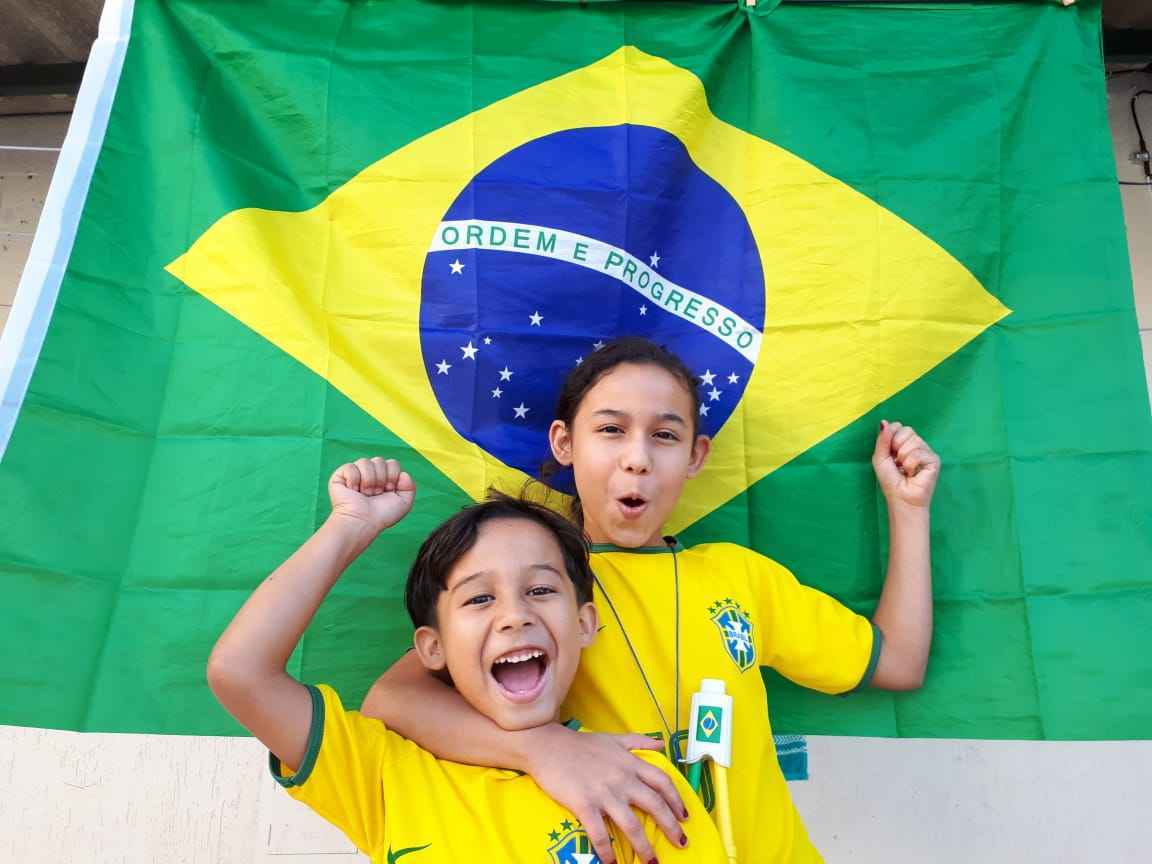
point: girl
(626, 426)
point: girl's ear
(588, 623)
(429, 648)
(701, 447)
(560, 440)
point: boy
(500, 596)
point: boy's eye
(541, 590)
(667, 435)
(478, 600)
(610, 428)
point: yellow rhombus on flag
(858, 303)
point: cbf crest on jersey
(570, 845)
(736, 631)
(449, 287)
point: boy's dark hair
(452, 540)
(582, 378)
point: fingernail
(653, 861)
(684, 813)
(683, 840)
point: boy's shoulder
(657, 759)
(351, 742)
(385, 791)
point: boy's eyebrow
(468, 579)
(480, 573)
(547, 567)
(668, 416)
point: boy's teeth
(521, 657)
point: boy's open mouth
(520, 673)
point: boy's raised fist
(374, 491)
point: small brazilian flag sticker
(708, 726)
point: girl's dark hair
(582, 378)
(454, 538)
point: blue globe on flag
(565, 243)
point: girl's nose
(636, 459)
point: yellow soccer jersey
(396, 801)
(738, 611)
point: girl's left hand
(905, 466)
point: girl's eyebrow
(667, 416)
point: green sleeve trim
(315, 736)
(873, 661)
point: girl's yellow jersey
(399, 803)
(738, 611)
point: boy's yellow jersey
(397, 802)
(738, 611)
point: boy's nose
(514, 616)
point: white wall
(68, 798)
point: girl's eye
(541, 590)
(478, 600)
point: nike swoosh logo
(393, 857)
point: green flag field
(284, 235)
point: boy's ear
(429, 648)
(560, 440)
(701, 447)
(588, 621)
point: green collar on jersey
(637, 550)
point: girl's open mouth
(632, 505)
(521, 673)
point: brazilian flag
(287, 234)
